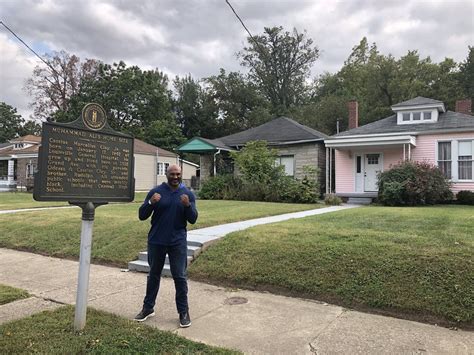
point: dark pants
(178, 264)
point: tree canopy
(279, 62)
(277, 82)
(10, 122)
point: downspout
(218, 152)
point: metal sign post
(88, 213)
(88, 164)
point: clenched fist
(185, 200)
(155, 198)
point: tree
(256, 163)
(323, 114)
(240, 104)
(133, 98)
(30, 127)
(196, 112)
(164, 134)
(379, 81)
(279, 63)
(466, 74)
(52, 90)
(10, 122)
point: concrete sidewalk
(263, 324)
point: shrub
(261, 179)
(221, 187)
(256, 163)
(332, 199)
(413, 183)
(465, 197)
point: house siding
(344, 170)
(145, 171)
(313, 155)
(21, 179)
(426, 151)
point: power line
(243, 24)
(27, 46)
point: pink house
(420, 129)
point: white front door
(373, 165)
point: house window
(465, 160)
(406, 117)
(288, 163)
(18, 145)
(30, 170)
(3, 169)
(359, 164)
(427, 116)
(416, 116)
(162, 168)
(444, 158)
(372, 159)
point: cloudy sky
(201, 36)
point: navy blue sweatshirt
(170, 216)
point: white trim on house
(190, 163)
(23, 156)
(455, 157)
(411, 120)
(440, 107)
(295, 142)
(370, 141)
(380, 164)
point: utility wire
(27, 46)
(243, 24)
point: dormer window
(416, 117)
(19, 145)
(418, 110)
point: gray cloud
(199, 37)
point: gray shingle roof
(4, 145)
(446, 121)
(216, 143)
(279, 130)
(418, 101)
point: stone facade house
(420, 129)
(297, 146)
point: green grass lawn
(118, 234)
(9, 294)
(413, 262)
(52, 332)
(21, 200)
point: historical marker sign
(84, 161)
(88, 164)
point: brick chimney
(353, 108)
(464, 106)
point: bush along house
(420, 129)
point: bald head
(173, 174)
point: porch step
(141, 265)
(359, 200)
